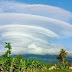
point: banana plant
(12, 63)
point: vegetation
(19, 64)
(62, 57)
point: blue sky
(65, 4)
(36, 26)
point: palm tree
(62, 57)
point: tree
(19, 57)
(62, 57)
(6, 58)
(8, 45)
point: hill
(47, 59)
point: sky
(36, 26)
(65, 4)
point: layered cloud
(25, 38)
(31, 33)
(35, 9)
(32, 29)
(61, 28)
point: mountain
(47, 59)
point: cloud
(36, 9)
(47, 49)
(32, 28)
(32, 34)
(22, 36)
(61, 28)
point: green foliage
(6, 59)
(8, 45)
(62, 57)
(19, 64)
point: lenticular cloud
(32, 29)
(35, 9)
(25, 37)
(32, 34)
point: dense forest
(18, 63)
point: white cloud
(32, 27)
(51, 49)
(22, 36)
(26, 32)
(59, 27)
(35, 9)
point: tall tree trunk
(63, 63)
